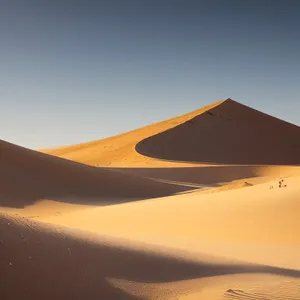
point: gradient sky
(74, 71)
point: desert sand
(188, 208)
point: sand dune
(247, 142)
(27, 176)
(120, 150)
(229, 133)
(53, 262)
(219, 227)
(225, 132)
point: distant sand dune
(224, 132)
(229, 133)
(120, 150)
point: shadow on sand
(78, 268)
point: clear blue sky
(74, 71)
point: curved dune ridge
(212, 222)
(120, 150)
(247, 142)
(224, 132)
(229, 133)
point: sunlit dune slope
(120, 150)
(229, 133)
(42, 262)
(224, 132)
(27, 176)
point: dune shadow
(230, 133)
(27, 176)
(80, 266)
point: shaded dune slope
(52, 263)
(228, 133)
(27, 176)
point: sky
(74, 71)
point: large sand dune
(120, 150)
(225, 132)
(219, 227)
(229, 133)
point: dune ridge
(225, 132)
(201, 148)
(229, 133)
(120, 150)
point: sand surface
(188, 208)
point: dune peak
(226, 132)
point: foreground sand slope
(224, 132)
(27, 176)
(43, 262)
(254, 223)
